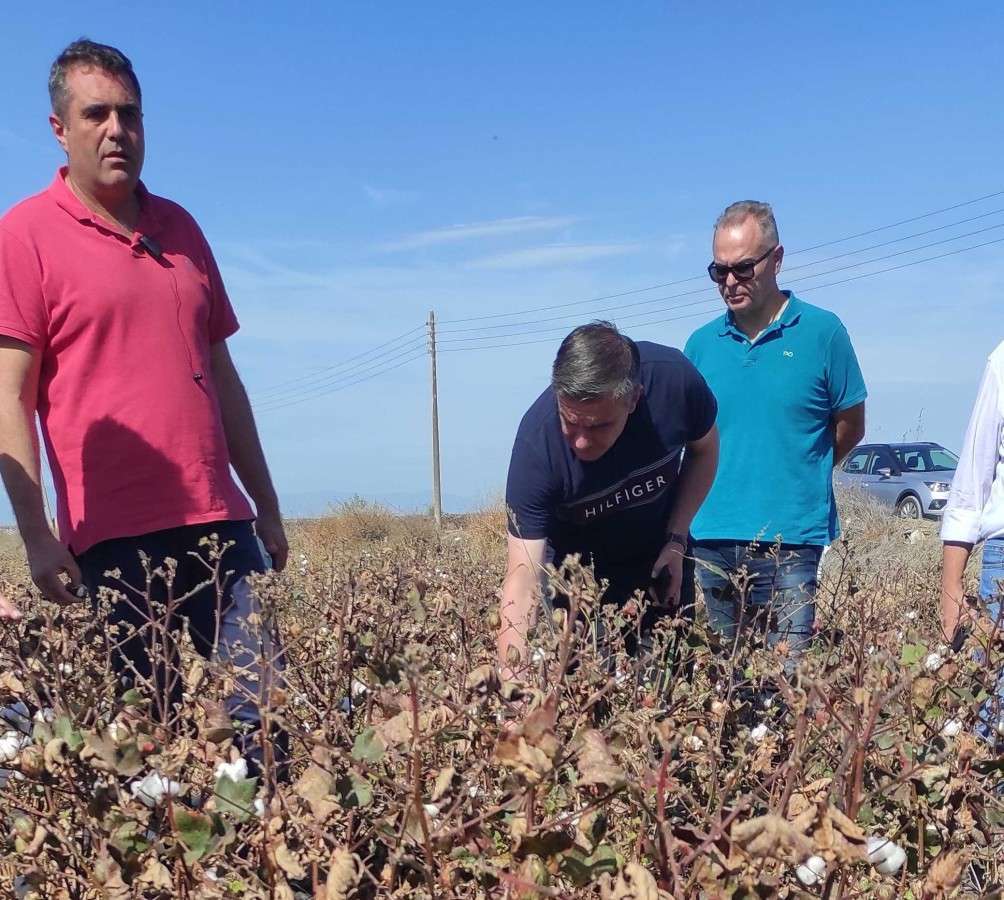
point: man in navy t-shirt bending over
(598, 468)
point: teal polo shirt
(776, 396)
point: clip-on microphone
(151, 247)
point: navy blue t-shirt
(614, 510)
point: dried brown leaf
(944, 876)
(633, 882)
(343, 874)
(316, 786)
(156, 875)
(772, 837)
(288, 861)
(596, 763)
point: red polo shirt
(126, 400)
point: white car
(913, 479)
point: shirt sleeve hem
(854, 401)
(527, 534)
(225, 333)
(961, 527)
(19, 334)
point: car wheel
(908, 507)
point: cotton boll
(934, 662)
(235, 771)
(153, 788)
(259, 807)
(893, 862)
(887, 857)
(11, 744)
(693, 743)
(759, 733)
(812, 871)
(951, 728)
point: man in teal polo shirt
(791, 406)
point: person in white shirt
(974, 514)
(975, 509)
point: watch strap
(674, 537)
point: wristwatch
(675, 537)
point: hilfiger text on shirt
(640, 487)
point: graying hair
(595, 361)
(739, 212)
(84, 52)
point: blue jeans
(992, 594)
(222, 615)
(752, 586)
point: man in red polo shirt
(113, 328)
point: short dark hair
(595, 361)
(87, 53)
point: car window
(923, 458)
(883, 459)
(943, 460)
(857, 462)
(913, 460)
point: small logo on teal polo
(790, 354)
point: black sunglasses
(743, 271)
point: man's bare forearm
(519, 596)
(697, 474)
(848, 430)
(20, 467)
(243, 443)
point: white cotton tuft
(951, 728)
(693, 743)
(235, 771)
(11, 744)
(887, 857)
(934, 661)
(153, 788)
(759, 733)
(812, 871)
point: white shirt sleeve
(978, 462)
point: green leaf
(545, 843)
(195, 831)
(354, 791)
(912, 653)
(132, 697)
(236, 798)
(886, 740)
(368, 746)
(866, 815)
(63, 728)
(582, 870)
(129, 838)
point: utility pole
(437, 495)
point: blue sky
(356, 165)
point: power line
(302, 399)
(399, 351)
(666, 284)
(804, 278)
(653, 300)
(337, 381)
(936, 212)
(281, 386)
(816, 287)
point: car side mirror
(885, 472)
